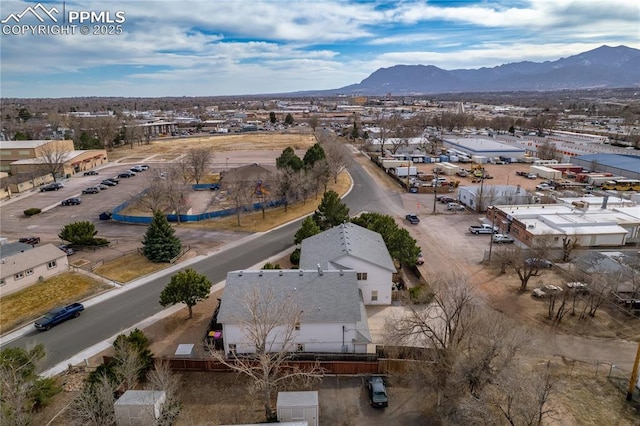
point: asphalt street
(129, 306)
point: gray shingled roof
(341, 240)
(328, 298)
(30, 259)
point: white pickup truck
(482, 229)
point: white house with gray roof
(352, 247)
(22, 265)
(332, 315)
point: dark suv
(51, 187)
(412, 219)
(377, 392)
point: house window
(28, 272)
(232, 348)
(374, 295)
(362, 276)
(297, 325)
(19, 275)
(52, 264)
(299, 347)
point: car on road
(29, 240)
(58, 315)
(502, 239)
(108, 182)
(456, 206)
(51, 187)
(539, 263)
(90, 173)
(378, 397)
(412, 219)
(126, 174)
(91, 190)
(73, 201)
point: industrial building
(616, 164)
(481, 147)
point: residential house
(22, 265)
(332, 316)
(352, 247)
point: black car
(73, 201)
(67, 249)
(412, 219)
(51, 187)
(377, 392)
(90, 173)
(108, 182)
(126, 175)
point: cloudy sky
(235, 47)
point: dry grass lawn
(254, 222)
(21, 307)
(128, 267)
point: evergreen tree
(160, 243)
(288, 158)
(288, 120)
(188, 287)
(331, 211)
(313, 154)
(272, 117)
(308, 229)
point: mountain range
(604, 67)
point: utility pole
(435, 189)
(634, 375)
(493, 224)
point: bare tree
(320, 174)
(105, 129)
(285, 187)
(548, 151)
(128, 364)
(198, 159)
(243, 195)
(337, 156)
(155, 196)
(53, 156)
(526, 263)
(95, 404)
(161, 378)
(269, 324)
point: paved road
(132, 305)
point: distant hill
(604, 67)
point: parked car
(137, 169)
(539, 293)
(539, 263)
(90, 173)
(483, 229)
(544, 187)
(412, 219)
(91, 190)
(578, 287)
(114, 180)
(67, 249)
(126, 174)
(73, 201)
(502, 239)
(58, 315)
(102, 186)
(420, 259)
(445, 199)
(532, 176)
(52, 187)
(550, 288)
(456, 206)
(30, 240)
(377, 392)
(108, 182)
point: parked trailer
(546, 172)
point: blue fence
(145, 220)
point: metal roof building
(617, 164)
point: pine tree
(309, 228)
(160, 243)
(331, 211)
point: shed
(139, 407)
(298, 406)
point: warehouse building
(616, 164)
(482, 147)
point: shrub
(32, 211)
(295, 257)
